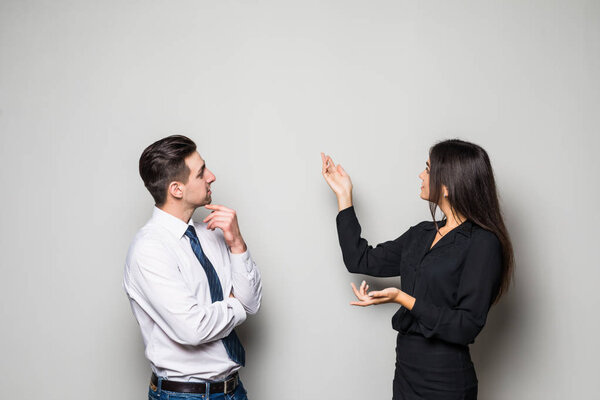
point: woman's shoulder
(482, 235)
(427, 225)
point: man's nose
(212, 177)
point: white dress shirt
(170, 298)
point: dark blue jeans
(238, 394)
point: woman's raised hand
(338, 180)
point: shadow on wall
(253, 335)
(494, 345)
(494, 349)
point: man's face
(197, 189)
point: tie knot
(191, 232)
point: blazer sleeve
(359, 256)
(479, 283)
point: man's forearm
(246, 281)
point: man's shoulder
(149, 238)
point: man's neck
(183, 213)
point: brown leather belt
(226, 386)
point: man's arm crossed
(154, 282)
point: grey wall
(263, 87)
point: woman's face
(425, 184)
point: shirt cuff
(238, 310)
(346, 214)
(423, 312)
(241, 261)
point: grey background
(263, 87)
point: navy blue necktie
(232, 343)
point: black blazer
(454, 283)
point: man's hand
(226, 219)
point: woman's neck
(453, 219)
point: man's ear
(176, 189)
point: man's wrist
(238, 247)
(238, 309)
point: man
(189, 284)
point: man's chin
(205, 202)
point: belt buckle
(233, 381)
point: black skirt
(433, 370)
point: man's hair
(164, 162)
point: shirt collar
(465, 228)
(173, 224)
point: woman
(452, 270)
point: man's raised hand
(226, 219)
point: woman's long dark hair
(465, 169)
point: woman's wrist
(405, 300)
(344, 201)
